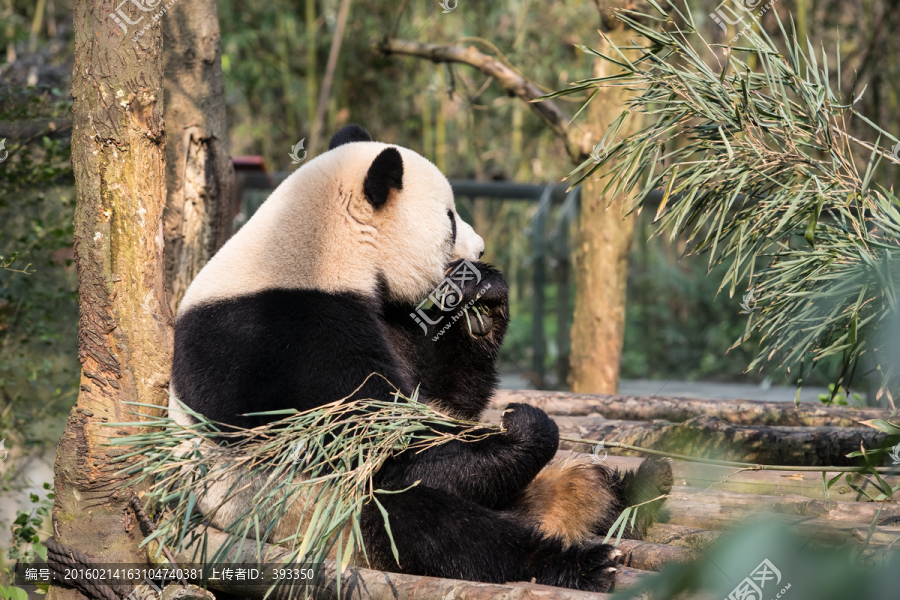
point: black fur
(348, 134)
(385, 173)
(280, 349)
(302, 348)
(457, 370)
(652, 479)
(458, 539)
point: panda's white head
(362, 215)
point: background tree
(125, 330)
(604, 233)
(125, 326)
(199, 171)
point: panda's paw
(526, 424)
(485, 298)
(647, 487)
(657, 472)
(590, 567)
(597, 567)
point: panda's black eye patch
(452, 227)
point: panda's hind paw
(657, 471)
(590, 567)
(594, 567)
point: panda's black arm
(490, 471)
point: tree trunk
(601, 251)
(125, 327)
(199, 173)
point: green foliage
(28, 541)
(28, 545)
(266, 65)
(835, 396)
(762, 169)
(12, 592)
(38, 299)
(676, 327)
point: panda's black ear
(385, 173)
(347, 134)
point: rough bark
(199, 172)
(118, 154)
(711, 437)
(738, 412)
(602, 247)
(653, 557)
(681, 536)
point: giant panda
(322, 287)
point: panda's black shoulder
(348, 134)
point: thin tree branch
(514, 83)
(329, 75)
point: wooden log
(681, 536)
(653, 557)
(711, 437)
(722, 518)
(770, 483)
(738, 412)
(629, 577)
(794, 504)
(366, 584)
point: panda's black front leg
(491, 471)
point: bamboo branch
(514, 83)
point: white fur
(318, 231)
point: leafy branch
(759, 171)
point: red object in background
(248, 165)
